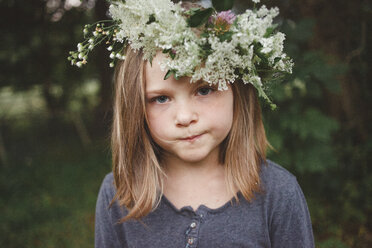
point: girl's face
(188, 120)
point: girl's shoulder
(105, 207)
(276, 180)
(107, 190)
(109, 179)
(285, 205)
(271, 171)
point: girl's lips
(191, 138)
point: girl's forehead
(154, 66)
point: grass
(49, 189)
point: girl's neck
(175, 167)
(193, 184)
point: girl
(188, 143)
(190, 169)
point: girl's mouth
(191, 138)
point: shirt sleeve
(105, 234)
(290, 221)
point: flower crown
(203, 44)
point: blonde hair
(138, 175)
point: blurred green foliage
(49, 190)
(324, 152)
(54, 120)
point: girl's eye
(205, 91)
(160, 99)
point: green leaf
(170, 52)
(221, 5)
(270, 30)
(151, 19)
(150, 60)
(226, 36)
(168, 74)
(199, 17)
(261, 93)
(172, 55)
(204, 35)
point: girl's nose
(186, 115)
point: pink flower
(223, 21)
(227, 16)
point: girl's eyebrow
(201, 83)
(165, 90)
(157, 90)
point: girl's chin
(195, 157)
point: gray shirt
(278, 217)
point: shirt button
(193, 225)
(190, 241)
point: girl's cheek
(218, 103)
(158, 113)
(156, 108)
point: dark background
(55, 119)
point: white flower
(253, 25)
(134, 16)
(79, 64)
(284, 65)
(220, 66)
(161, 25)
(267, 44)
(80, 47)
(277, 46)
